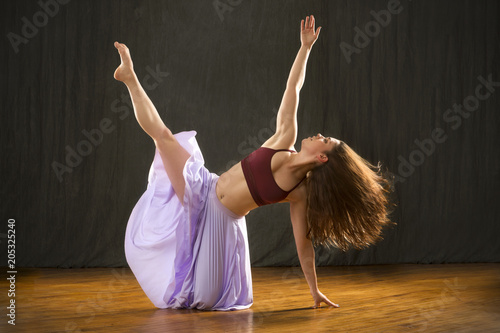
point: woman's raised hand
(308, 34)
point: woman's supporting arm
(286, 127)
(305, 250)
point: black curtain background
(220, 68)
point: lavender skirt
(193, 255)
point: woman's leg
(173, 155)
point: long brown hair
(347, 200)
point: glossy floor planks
(380, 298)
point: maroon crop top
(259, 177)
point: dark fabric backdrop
(221, 68)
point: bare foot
(124, 72)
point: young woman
(186, 240)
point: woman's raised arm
(286, 126)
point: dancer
(186, 239)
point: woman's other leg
(173, 155)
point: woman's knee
(164, 135)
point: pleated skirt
(193, 254)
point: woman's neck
(300, 164)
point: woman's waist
(232, 191)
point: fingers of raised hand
(317, 31)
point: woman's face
(319, 144)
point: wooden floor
(384, 298)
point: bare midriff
(232, 191)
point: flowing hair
(347, 201)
